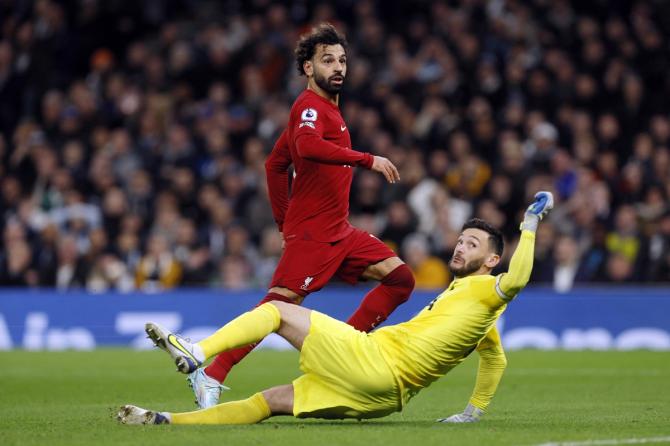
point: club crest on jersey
(308, 114)
(305, 285)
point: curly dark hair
(323, 34)
(496, 241)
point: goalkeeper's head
(478, 249)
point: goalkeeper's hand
(543, 203)
(471, 414)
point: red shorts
(307, 266)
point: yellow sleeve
(492, 363)
(509, 284)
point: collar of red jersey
(317, 95)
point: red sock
(380, 302)
(225, 361)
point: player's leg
(219, 368)
(305, 266)
(396, 285)
(280, 399)
(206, 383)
(274, 401)
(369, 258)
(297, 261)
(260, 406)
(289, 321)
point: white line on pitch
(609, 442)
(540, 371)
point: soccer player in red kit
(319, 241)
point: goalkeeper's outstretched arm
(509, 284)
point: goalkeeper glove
(544, 202)
(471, 414)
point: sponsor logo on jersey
(308, 124)
(308, 114)
(343, 127)
(305, 285)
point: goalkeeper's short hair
(496, 241)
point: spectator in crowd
(567, 262)
(72, 270)
(625, 238)
(401, 223)
(619, 268)
(46, 258)
(158, 269)
(430, 272)
(659, 251)
(544, 252)
(109, 273)
(270, 252)
(235, 273)
(191, 254)
(127, 249)
(15, 266)
(564, 269)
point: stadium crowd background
(134, 134)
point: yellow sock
(246, 329)
(249, 411)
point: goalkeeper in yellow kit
(352, 374)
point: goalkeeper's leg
(274, 401)
(290, 321)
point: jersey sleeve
(509, 284)
(276, 173)
(492, 363)
(308, 136)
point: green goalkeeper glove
(471, 414)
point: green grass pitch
(67, 398)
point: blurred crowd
(133, 134)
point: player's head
(321, 56)
(478, 249)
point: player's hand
(471, 414)
(543, 203)
(386, 168)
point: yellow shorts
(345, 374)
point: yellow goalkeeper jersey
(452, 325)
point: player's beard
(326, 84)
(467, 268)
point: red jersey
(317, 143)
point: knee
(280, 399)
(282, 306)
